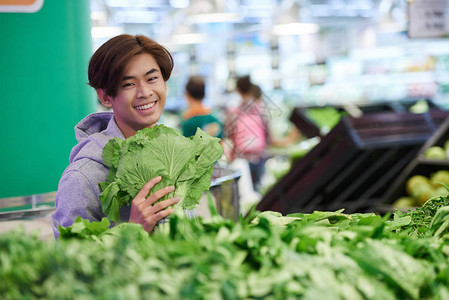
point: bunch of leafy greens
(322, 255)
(419, 220)
(186, 163)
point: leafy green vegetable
(83, 229)
(322, 255)
(417, 221)
(324, 117)
(440, 222)
(186, 163)
(265, 255)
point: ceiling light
(295, 28)
(100, 32)
(185, 34)
(188, 39)
(135, 3)
(293, 20)
(179, 3)
(176, 31)
(391, 18)
(136, 16)
(213, 11)
(217, 17)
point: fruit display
(437, 147)
(438, 152)
(420, 188)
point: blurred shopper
(197, 115)
(129, 74)
(248, 129)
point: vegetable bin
(224, 190)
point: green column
(43, 75)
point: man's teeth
(146, 106)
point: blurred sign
(428, 18)
(20, 6)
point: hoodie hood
(92, 134)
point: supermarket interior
(355, 102)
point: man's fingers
(147, 187)
(164, 213)
(164, 204)
(161, 193)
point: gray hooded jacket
(78, 190)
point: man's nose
(144, 90)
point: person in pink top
(248, 128)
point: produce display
(281, 162)
(420, 188)
(186, 163)
(420, 107)
(438, 152)
(322, 255)
(325, 118)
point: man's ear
(104, 98)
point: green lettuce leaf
(186, 163)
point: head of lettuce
(186, 163)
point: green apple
(435, 152)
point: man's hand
(145, 212)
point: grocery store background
(335, 52)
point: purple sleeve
(76, 196)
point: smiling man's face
(141, 95)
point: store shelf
(24, 207)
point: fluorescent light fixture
(188, 38)
(213, 11)
(179, 3)
(392, 18)
(224, 17)
(292, 21)
(98, 16)
(390, 27)
(106, 32)
(135, 3)
(377, 52)
(295, 28)
(136, 16)
(184, 34)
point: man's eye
(126, 85)
(152, 78)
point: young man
(197, 115)
(129, 74)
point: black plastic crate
(360, 185)
(405, 105)
(310, 129)
(354, 164)
(303, 123)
